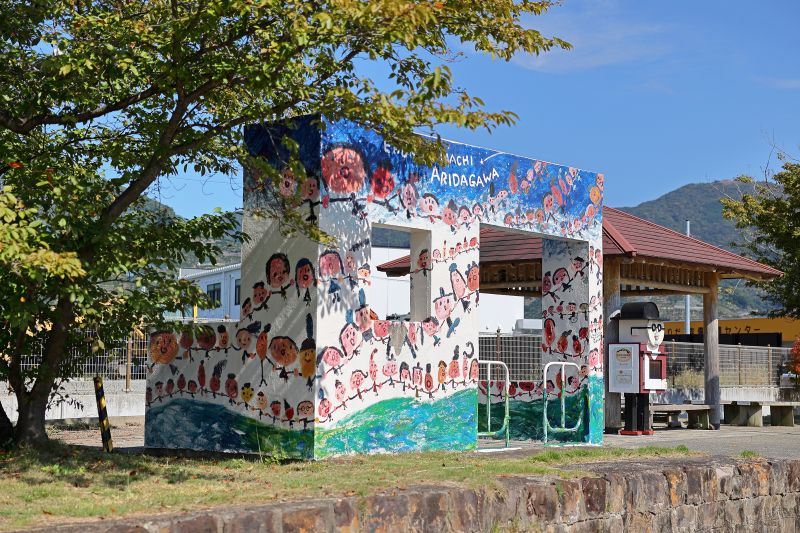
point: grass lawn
(68, 483)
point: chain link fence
(745, 366)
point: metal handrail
(504, 430)
(563, 395)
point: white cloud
(601, 34)
(781, 83)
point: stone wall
(693, 494)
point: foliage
(770, 220)
(100, 99)
(48, 206)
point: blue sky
(653, 94)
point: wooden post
(711, 345)
(611, 303)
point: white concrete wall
(118, 401)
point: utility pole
(687, 302)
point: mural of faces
(278, 270)
(343, 170)
(163, 347)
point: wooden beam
(633, 282)
(510, 285)
(653, 292)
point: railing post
(129, 363)
(739, 361)
(769, 365)
(674, 363)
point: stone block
(615, 493)
(384, 513)
(724, 475)
(570, 497)
(316, 517)
(512, 500)
(653, 493)
(701, 484)
(345, 515)
(543, 503)
(431, 512)
(778, 482)
(198, 523)
(676, 485)
(594, 495)
(467, 510)
(734, 513)
(684, 518)
(793, 476)
(634, 521)
(259, 520)
(758, 474)
(709, 515)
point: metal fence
(121, 359)
(739, 365)
(746, 366)
(521, 353)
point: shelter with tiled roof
(641, 259)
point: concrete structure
(390, 295)
(311, 371)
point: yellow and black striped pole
(105, 426)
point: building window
(236, 291)
(214, 292)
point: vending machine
(637, 364)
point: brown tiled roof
(623, 234)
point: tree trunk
(33, 404)
(6, 429)
(30, 423)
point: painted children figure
(444, 307)
(304, 278)
(429, 206)
(331, 270)
(459, 285)
(278, 270)
(284, 351)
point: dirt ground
(770, 442)
(125, 433)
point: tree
(101, 99)
(770, 221)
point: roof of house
(623, 235)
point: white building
(221, 285)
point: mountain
(231, 249)
(700, 203)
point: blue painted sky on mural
(660, 94)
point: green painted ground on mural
(527, 422)
(196, 425)
(404, 424)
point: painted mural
(310, 370)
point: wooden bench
(698, 414)
(751, 414)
